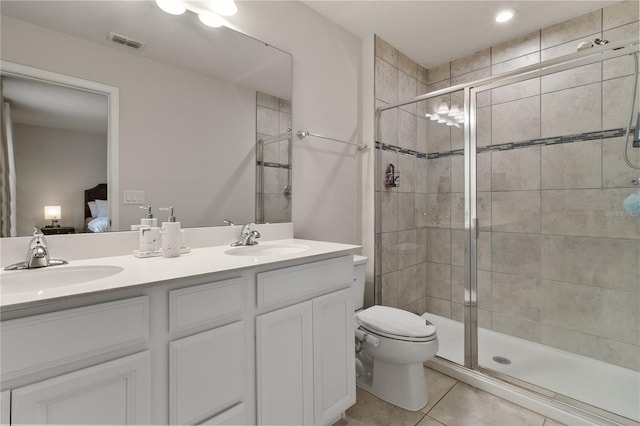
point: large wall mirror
(197, 119)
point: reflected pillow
(99, 224)
(93, 208)
(103, 208)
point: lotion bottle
(171, 236)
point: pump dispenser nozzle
(171, 217)
(149, 215)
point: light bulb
(454, 110)
(442, 121)
(449, 123)
(443, 108)
(211, 19)
(504, 16)
(434, 117)
(174, 7)
(223, 7)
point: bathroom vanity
(214, 337)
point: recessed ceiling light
(504, 15)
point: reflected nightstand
(48, 230)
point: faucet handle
(38, 238)
(246, 229)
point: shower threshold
(597, 383)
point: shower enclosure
(512, 222)
(273, 159)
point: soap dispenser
(171, 236)
(148, 219)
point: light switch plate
(132, 196)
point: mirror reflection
(195, 105)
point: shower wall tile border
(552, 140)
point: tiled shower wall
(559, 260)
(273, 118)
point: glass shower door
(558, 249)
(442, 209)
(420, 235)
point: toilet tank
(359, 274)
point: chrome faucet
(37, 254)
(247, 236)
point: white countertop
(144, 271)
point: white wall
(54, 167)
(326, 94)
(176, 143)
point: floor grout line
(442, 397)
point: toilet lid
(395, 323)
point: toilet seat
(396, 324)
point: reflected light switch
(133, 196)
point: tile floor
(451, 403)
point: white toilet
(391, 345)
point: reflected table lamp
(53, 213)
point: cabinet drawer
(205, 304)
(305, 281)
(206, 373)
(233, 416)
(49, 340)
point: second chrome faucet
(248, 236)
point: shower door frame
(471, 226)
(470, 154)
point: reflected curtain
(8, 216)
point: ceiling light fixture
(504, 15)
(211, 19)
(174, 7)
(443, 108)
(223, 7)
(209, 13)
(455, 110)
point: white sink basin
(42, 279)
(266, 250)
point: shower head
(585, 45)
(588, 44)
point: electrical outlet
(132, 196)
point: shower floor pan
(597, 383)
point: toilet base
(403, 385)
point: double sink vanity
(247, 335)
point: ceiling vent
(126, 41)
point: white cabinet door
(206, 373)
(115, 392)
(5, 407)
(334, 353)
(285, 366)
